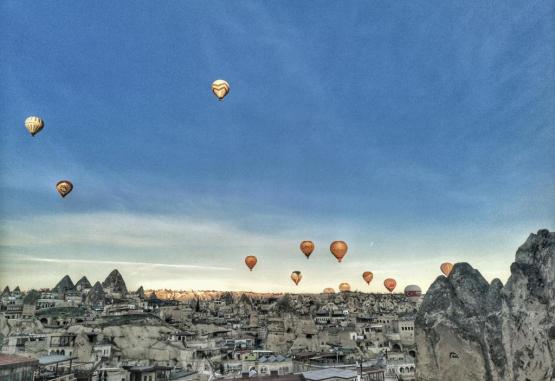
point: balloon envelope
(296, 277)
(64, 187)
(367, 276)
(339, 249)
(307, 247)
(34, 124)
(220, 88)
(344, 287)
(446, 268)
(329, 290)
(390, 284)
(250, 261)
(413, 292)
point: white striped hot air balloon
(413, 293)
(34, 124)
(220, 88)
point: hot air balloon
(34, 124)
(367, 276)
(344, 287)
(329, 290)
(413, 293)
(250, 261)
(307, 247)
(446, 268)
(64, 187)
(390, 284)
(338, 249)
(220, 88)
(296, 277)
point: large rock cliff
(467, 329)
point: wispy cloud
(119, 263)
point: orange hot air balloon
(307, 247)
(367, 276)
(250, 261)
(446, 268)
(390, 284)
(344, 287)
(64, 187)
(296, 277)
(329, 290)
(338, 249)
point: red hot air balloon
(390, 284)
(307, 247)
(339, 249)
(250, 261)
(367, 276)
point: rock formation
(141, 292)
(96, 295)
(64, 285)
(83, 284)
(467, 329)
(6, 291)
(31, 297)
(115, 283)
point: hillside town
(105, 332)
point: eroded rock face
(115, 283)
(64, 285)
(467, 329)
(96, 296)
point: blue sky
(418, 131)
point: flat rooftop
(10, 361)
(327, 373)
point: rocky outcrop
(96, 295)
(114, 283)
(31, 297)
(6, 291)
(141, 292)
(83, 284)
(64, 285)
(467, 329)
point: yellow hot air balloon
(329, 290)
(64, 187)
(390, 284)
(296, 277)
(220, 88)
(338, 249)
(250, 261)
(34, 124)
(344, 287)
(307, 247)
(367, 276)
(446, 268)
